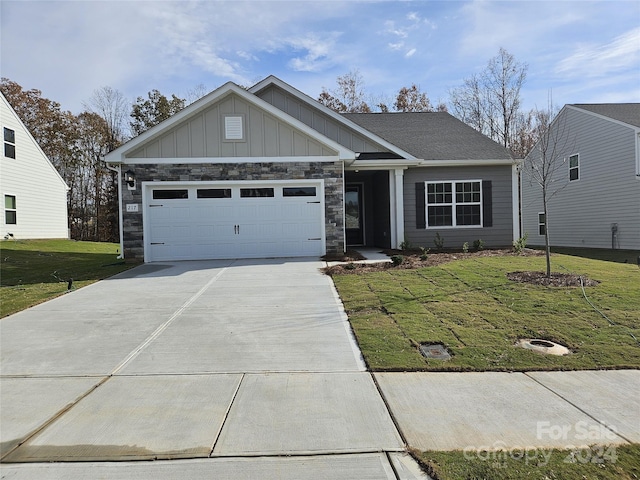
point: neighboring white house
(34, 195)
(596, 203)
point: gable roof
(119, 154)
(431, 136)
(12, 112)
(628, 113)
(396, 150)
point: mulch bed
(412, 260)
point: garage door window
(214, 193)
(256, 192)
(299, 192)
(170, 194)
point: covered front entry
(217, 220)
(368, 208)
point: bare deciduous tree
(349, 95)
(490, 100)
(546, 164)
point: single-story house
(270, 172)
(34, 194)
(594, 193)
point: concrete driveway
(237, 366)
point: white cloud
(599, 60)
(410, 53)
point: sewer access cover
(543, 346)
(436, 351)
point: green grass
(31, 270)
(621, 462)
(471, 307)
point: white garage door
(195, 221)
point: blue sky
(584, 52)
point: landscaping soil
(413, 259)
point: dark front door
(353, 215)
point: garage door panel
(195, 227)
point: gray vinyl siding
(582, 212)
(201, 136)
(498, 235)
(319, 121)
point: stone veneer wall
(330, 172)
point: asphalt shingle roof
(431, 135)
(623, 112)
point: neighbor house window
(10, 213)
(574, 167)
(542, 223)
(454, 204)
(9, 143)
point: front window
(9, 143)
(574, 168)
(10, 212)
(454, 204)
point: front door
(353, 214)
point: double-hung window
(574, 167)
(454, 204)
(9, 143)
(10, 211)
(542, 223)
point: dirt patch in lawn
(555, 280)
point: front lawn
(620, 462)
(471, 307)
(33, 271)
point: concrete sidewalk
(246, 369)
(231, 366)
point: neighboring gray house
(270, 172)
(597, 199)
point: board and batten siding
(41, 194)
(500, 234)
(201, 136)
(319, 121)
(582, 211)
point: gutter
(120, 219)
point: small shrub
(405, 245)
(438, 241)
(520, 244)
(397, 260)
(465, 247)
(424, 253)
(350, 266)
(478, 244)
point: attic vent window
(233, 128)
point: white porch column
(396, 198)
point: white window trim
(541, 224)
(577, 155)
(453, 204)
(6, 142)
(5, 209)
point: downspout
(516, 200)
(120, 228)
